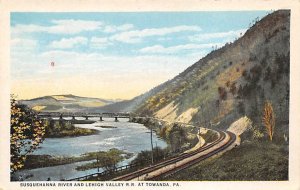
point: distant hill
(230, 82)
(65, 103)
(130, 105)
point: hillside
(227, 89)
(133, 104)
(233, 81)
(65, 103)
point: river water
(127, 136)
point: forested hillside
(233, 81)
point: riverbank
(60, 128)
(107, 160)
(63, 161)
(75, 132)
(179, 136)
(41, 161)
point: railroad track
(183, 161)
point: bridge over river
(74, 115)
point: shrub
(245, 73)
(256, 73)
(267, 74)
(227, 83)
(222, 93)
(233, 88)
(241, 108)
(144, 157)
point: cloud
(66, 43)
(70, 63)
(74, 26)
(113, 28)
(22, 46)
(135, 36)
(68, 26)
(159, 49)
(216, 35)
(99, 43)
(23, 43)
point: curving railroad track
(185, 160)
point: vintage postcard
(151, 95)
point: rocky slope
(231, 82)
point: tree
(109, 159)
(269, 119)
(241, 108)
(233, 88)
(144, 157)
(26, 133)
(222, 93)
(176, 137)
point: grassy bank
(66, 128)
(250, 161)
(40, 161)
(107, 160)
(75, 132)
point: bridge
(74, 115)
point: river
(126, 136)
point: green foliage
(177, 138)
(107, 160)
(250, 161)
(52, 107)
(65, 128)
(209, 136)
(144, 157)
(257, 133)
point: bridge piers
(64, 115)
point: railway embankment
(256, 158)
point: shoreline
(76, 132)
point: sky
(113, 55)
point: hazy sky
(113, 55)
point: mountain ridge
(231, 82)
(65, 103)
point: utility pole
(151, 146)
(97, 163)
(156, 149)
